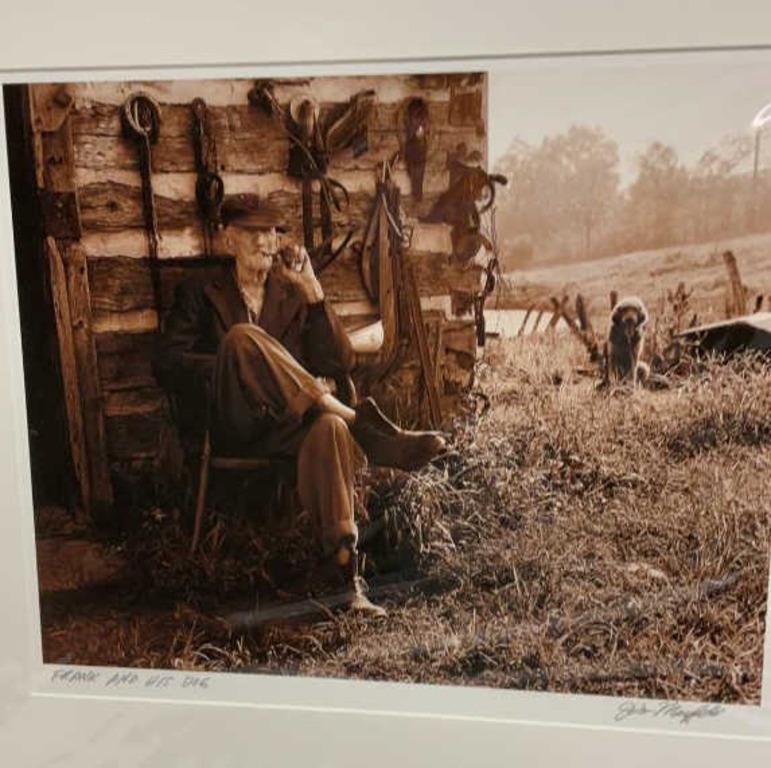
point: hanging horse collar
(400, 234)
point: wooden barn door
(53, 480)
(66, 278)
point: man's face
(253, 248)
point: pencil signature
(672, 710)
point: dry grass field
(649, 274)
(577, 540)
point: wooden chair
(214, 267)
(345, 391)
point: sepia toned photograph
(455, 377)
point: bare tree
(655, 204)
(561, 192)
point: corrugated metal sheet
(750, 332)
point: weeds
(612, 542)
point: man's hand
(294, 265)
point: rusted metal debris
(735, 335)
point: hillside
(648, 274)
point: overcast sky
(686, 100)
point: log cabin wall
(252, 155)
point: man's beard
(251, 275)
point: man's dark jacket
(203, 312)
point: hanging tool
(416, 130)
(471, 192)
(386, 238)
(308, 160)
(427, 364)
(141, 118)
(491, 274)
(209, 187)
(312, 141)
(387, 197)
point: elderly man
(266, 339)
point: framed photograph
(375, 399)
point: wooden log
(101, 119)
(125, 361)
(390, 116)
(466, 108)
(136, 435)
(434, 273)
(581, 313)
(585, 337)
(462, 302)
(427, 364)
(560, 311)
(124, 402)
(51, 104)
(460, 336)
(54, 160)
(560, 307)
(391, 88)
(538, 318)
(178, 243)
(94, 118)
(387, 88)
(98, 129)
(122, 284)
(466, 79)
(219, 92)
(458, 374)
(88, 380)
(69, 371)
(110, 206)
(431, 238)
(521, 330)
(737, 293)
(458, 360)
(251, 154)
(134, 321)
(182, 185)
(311, 609)
(383, 144)
(141, 321)
(186, 241)
(113, 206)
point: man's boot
(387, 445)
(347, 559)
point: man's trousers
(264, 406)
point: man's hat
(251, 212)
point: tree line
(565, 201)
